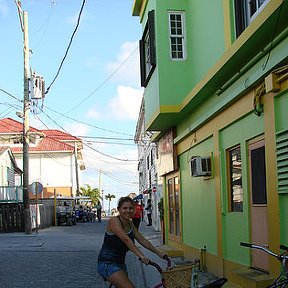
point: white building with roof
(55, 157)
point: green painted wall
(204, 46)
(281, 112)
(281, 124)
(198, 202)
(236, 224)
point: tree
(109, 197)
(93, 193)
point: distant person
(98, 211)
(118, 240)
(148, 209)
(138, 214)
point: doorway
(173, 189)
(258, 204)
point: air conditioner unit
(200, 166)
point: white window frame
(177, 36)
(259, 8)
(147, 54)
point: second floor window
(177, 35)
(147, 50)
(245, 12)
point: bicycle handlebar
(244, 244)
(165, 257)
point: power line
(4, 91)
(68, 117)
(82, 122)
(69, 45)
(104, 82)
(119, 159)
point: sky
(97, 93)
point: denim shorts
(106, 269)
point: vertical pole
(76, 169)
(36, 190)
(26, 200)
(99, 188)
(55, 208)
(103, 200)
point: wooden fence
(11, 217)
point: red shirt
(138, 211)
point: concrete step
(252, 278)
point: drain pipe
(203, 267)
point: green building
(215, 75)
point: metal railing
(11, 194)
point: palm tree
(109, 197)
(93, 193)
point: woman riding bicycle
(118, 240)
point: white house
(10, 176)
(55, 158)
(150, 184)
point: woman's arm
(115, 227)
(146, 243)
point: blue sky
(97, 92)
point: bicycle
(185, 271)
(282, 279)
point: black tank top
(113, 249)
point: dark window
(245, 11)
(258, 173)
(147, 50)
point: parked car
(65, 211)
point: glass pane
(258, 173)
(172, 17)
(236, 193)
(177, 206)
(171, 205)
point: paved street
(62, 257)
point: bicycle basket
(178, 276)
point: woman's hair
(122, 200)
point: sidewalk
(151, 277)
(146, 276)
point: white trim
(182, 35)
(259, 9)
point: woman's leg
(149, 219)
(120, 280)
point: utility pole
(26, 201)
(100, 189)
(76, 169)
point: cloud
(93, 113)
(126, 105)
(3, 9)
(127, 65)
(77, 129)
